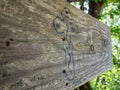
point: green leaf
(111, 16)
(96, 1)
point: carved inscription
(40, 50)
(69, 31)
(88, 45)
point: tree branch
(74, 0)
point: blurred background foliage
(110, 80)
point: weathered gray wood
(50, 45)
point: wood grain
(50, 45)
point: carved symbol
(67, 29)
(105, 43)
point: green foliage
(99, 0)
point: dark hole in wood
(11, 39)
(64, 71)
(66, 12)
(66, 84)
(7, 43)
(92, 48)
(63, 38)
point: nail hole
(66, 84)
(63, 38)
(92, 48)
(64, 71)
(66, 12)
(7, 43)
(11, 39)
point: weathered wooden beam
(50, 45)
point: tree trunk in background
(96, 8)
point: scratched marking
(64, 27)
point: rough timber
(50, 45)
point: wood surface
(50, 45)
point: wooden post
(50, 45)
